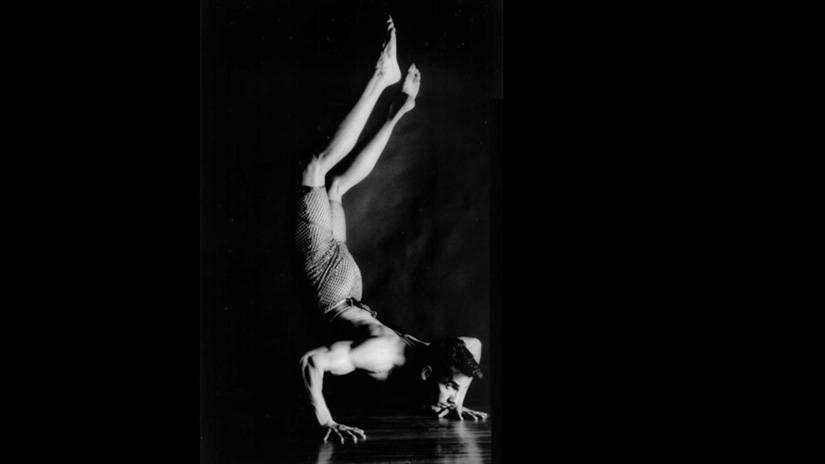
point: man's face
(444, 390)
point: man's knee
(314, 172)
(336, 189)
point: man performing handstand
(444, 369)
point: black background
(277, 80)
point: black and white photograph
(349, 209)
(387, 268)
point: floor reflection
(324, 453)
(415, 440)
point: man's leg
(386, 73)
(366, 159)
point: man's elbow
(473, 346)
(477, 349)
(310, 360)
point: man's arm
(377, 354)
(474, 347)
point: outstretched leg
(386, 73)
(366, 159)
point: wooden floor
(390, 439)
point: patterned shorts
(327, 263)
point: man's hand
(476, 415)
(457, 412)
(341, 429)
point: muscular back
(376, 355)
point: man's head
(448, 365)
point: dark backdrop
(276, 79)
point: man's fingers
(341, 430)
(443, 413)
(354, 437)
(356, 430)
(476, 415)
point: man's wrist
(324, 420)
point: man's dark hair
(451, 353)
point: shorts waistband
(336, 310)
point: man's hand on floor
(461, 411)
(341, 430)
(458, 412)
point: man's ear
(426, 372)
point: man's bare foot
(387, 67)
(411, 84)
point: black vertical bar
(496, 277)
